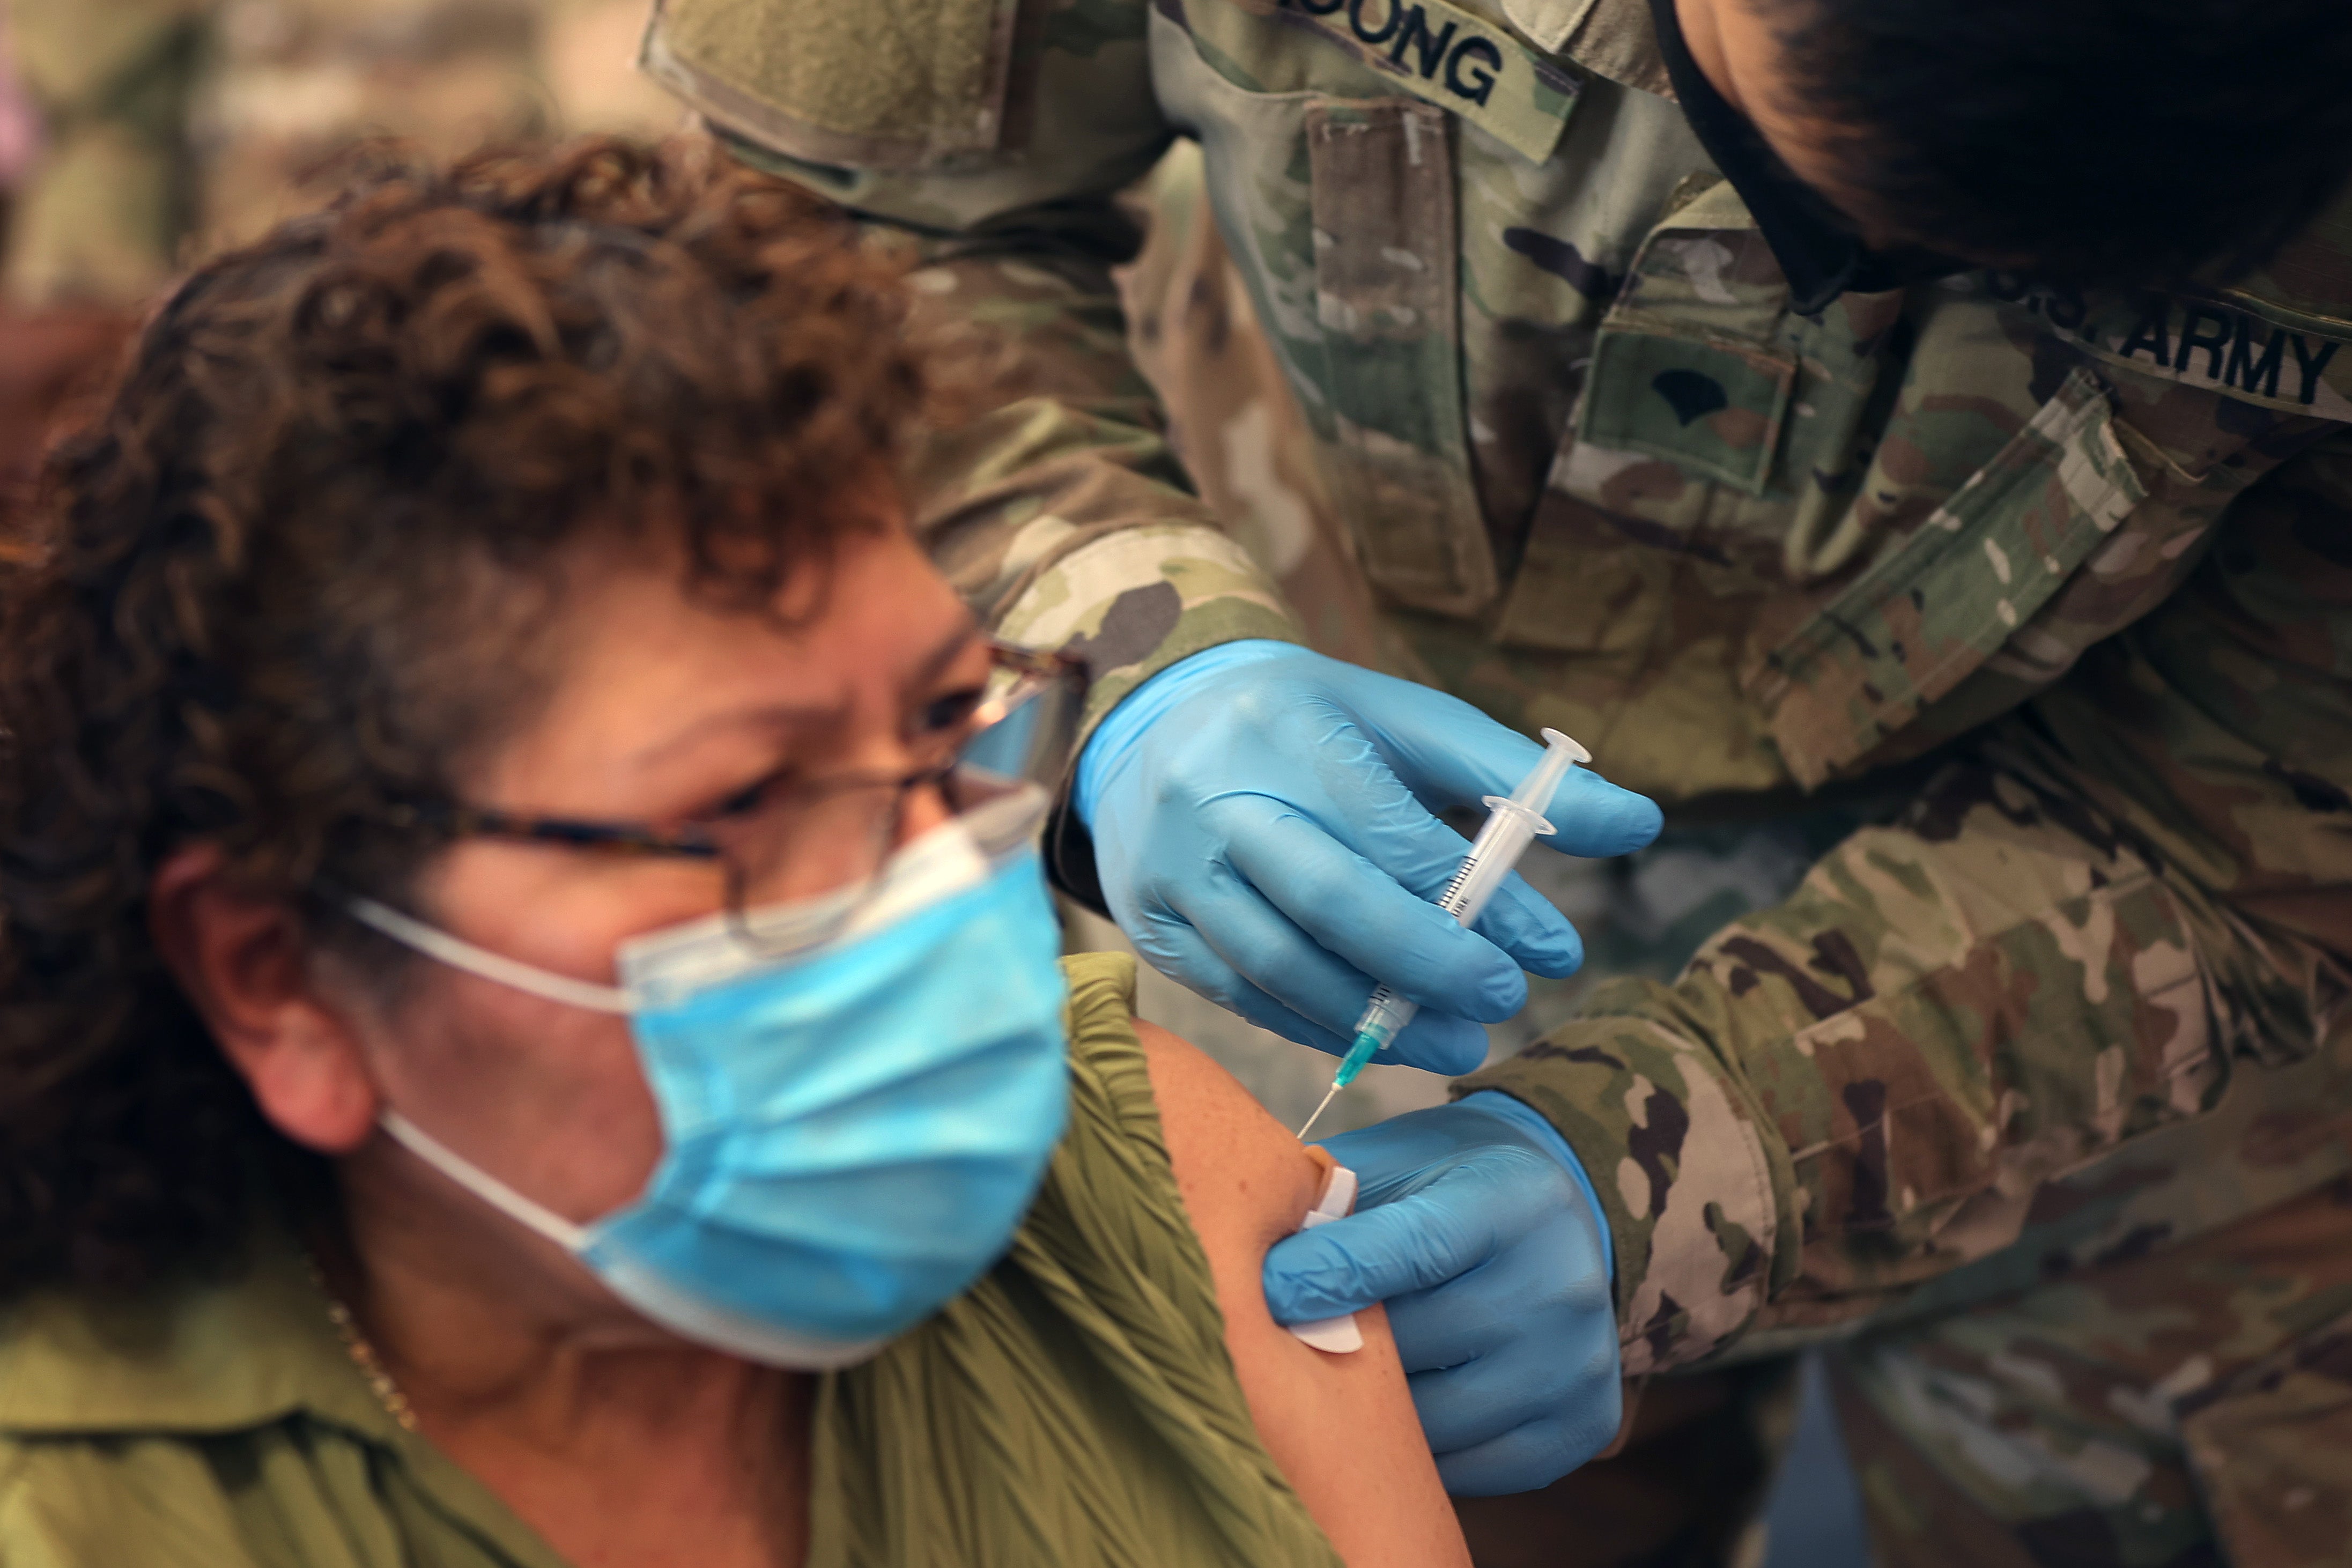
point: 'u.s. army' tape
(2198, 341)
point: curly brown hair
(285, 580)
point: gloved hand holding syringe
(1511, 825)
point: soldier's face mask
(1816, 245)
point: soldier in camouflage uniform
(2039, 1091)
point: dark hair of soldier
(291, 571)
(2095, 141)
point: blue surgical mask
(856, 1109)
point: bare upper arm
(1341, 1427)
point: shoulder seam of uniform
(2336, 328)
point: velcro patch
(1447, 57)
(1712, 408)
(882, 84)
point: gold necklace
(355, 1345)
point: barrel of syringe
(1510, 827)
(1508, 832)
(1496, 850)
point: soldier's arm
(993, 136)
(2076, 1004)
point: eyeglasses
(789, 837)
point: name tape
(1443, 55)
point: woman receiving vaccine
(525, 1037)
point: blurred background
(136, 132)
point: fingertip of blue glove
(1502, 996)
(1560, 967)
(1598, 818)
(1643, 821)
(1555, 951)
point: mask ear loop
(459, 953)
(523, 1211)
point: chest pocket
(1670, 513)
(1934, 608)
(1891, 522)
(1332, 132)
(1386, 299)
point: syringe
(1511, 825)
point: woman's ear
(243, 961)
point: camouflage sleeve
(996, 135)
(1058, 507)
(2066, 1009)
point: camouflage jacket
(2093, 550)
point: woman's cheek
(589, 1115)
(548, 1098)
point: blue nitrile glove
(1262, 827)
(1479, 1228)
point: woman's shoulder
(1196, 1143)
(1111, 1213)
(1099, 1011)
(1237, 1181)
(1081, 1399)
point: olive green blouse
(1077, 1407)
